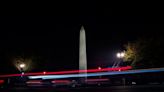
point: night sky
(55, 39)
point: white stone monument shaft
(82, 50)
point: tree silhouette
(145, 52)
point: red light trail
(70, 72)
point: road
(138, 88)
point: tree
(130, 52)
(145, 52)
(29, 62)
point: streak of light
(98, 74)
(61, 81)
(92, 80)
(34, 82)
(69, 72)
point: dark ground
(139, 88)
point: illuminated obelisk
(82, 51)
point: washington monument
(82, 50)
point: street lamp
(120, 55)
(44, 72)
(22, 65)
(99, 68)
